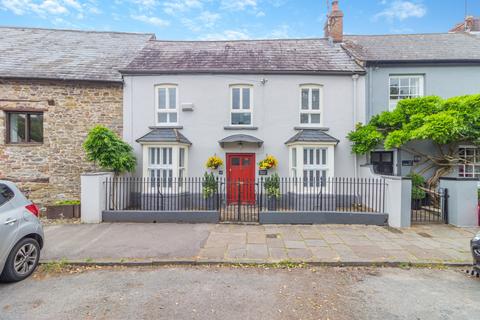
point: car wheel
(22, 261)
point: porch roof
(240, 138)
(164, 135)
(312, 135)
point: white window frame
(297, 169)
(311, 111)
(392, 103)
(241, 110)
(175, 166)
(158, 111)
(473, 166)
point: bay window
(312, 163)
(165, 162)
(241, 105)
(311, 105)
(166, 105)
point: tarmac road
(212, 292)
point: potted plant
(214, 162)
(268, 163)
(64, 209)
(209, 190)
(272, 189)
(418, 194)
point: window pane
(164, 155)
(17, 127)
(36, 128)
(5, 194)
(404, 82)
(305, 99)
(294, 157)
(241, 118)
(246, 98)
(305, 156)
(394, 82)
(169, 155)
(315, 118)
(181, 158)
(162, 117)
(303, 117)
(311, 157)
(162, 98)
(315, 99)
(324, 156)
(394, 91)
(235, 98)
(173, 117)
(172, 96)
(235, 161)
(151, 156)
(317, 156)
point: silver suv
(21, 234)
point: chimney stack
(334, 26)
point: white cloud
(281, 32)
(42, 8)
(238, 5)
(401, 10)
(227, 35)
(154, 21)
(177, 6)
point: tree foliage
(106, 149)
(445, 122)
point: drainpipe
(355, 88)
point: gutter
(287, 72)
(354, 105)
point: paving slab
(127, 242)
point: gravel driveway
(211, 292)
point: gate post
(398, 201)
(239, 195)
(462, 201)
(93, 196)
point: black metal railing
(242, 200)
(432, 208)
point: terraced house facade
(55, 85)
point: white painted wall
(276, 108)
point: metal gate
(241, 201)
(433, 208)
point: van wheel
(22, 261)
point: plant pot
(272, 203)
(63, 211)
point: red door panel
(241, 178)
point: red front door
(241, 178)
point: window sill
(24, 144)
(166, 127)
(311, 128)
(240, 128)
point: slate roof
(243, 56)
(312, 135)
(240, 138)
(67, 54)
(164, 135)
(440, 47)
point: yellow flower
(268, 163)
(214, 162)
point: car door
(9, 220)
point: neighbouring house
(55, 85)
(471, 24)
(297, 99)
(405, 66)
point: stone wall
(51, 171)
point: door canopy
(240, 139)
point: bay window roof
(164, 135)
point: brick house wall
(51, 171)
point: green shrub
(104, 148)
(272, 186)
(209, 185)
(417, 181)
(67, 202)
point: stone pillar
(398, 201)
(93, 196)
(462, 201)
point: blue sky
(236, 19)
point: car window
(5, 194)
